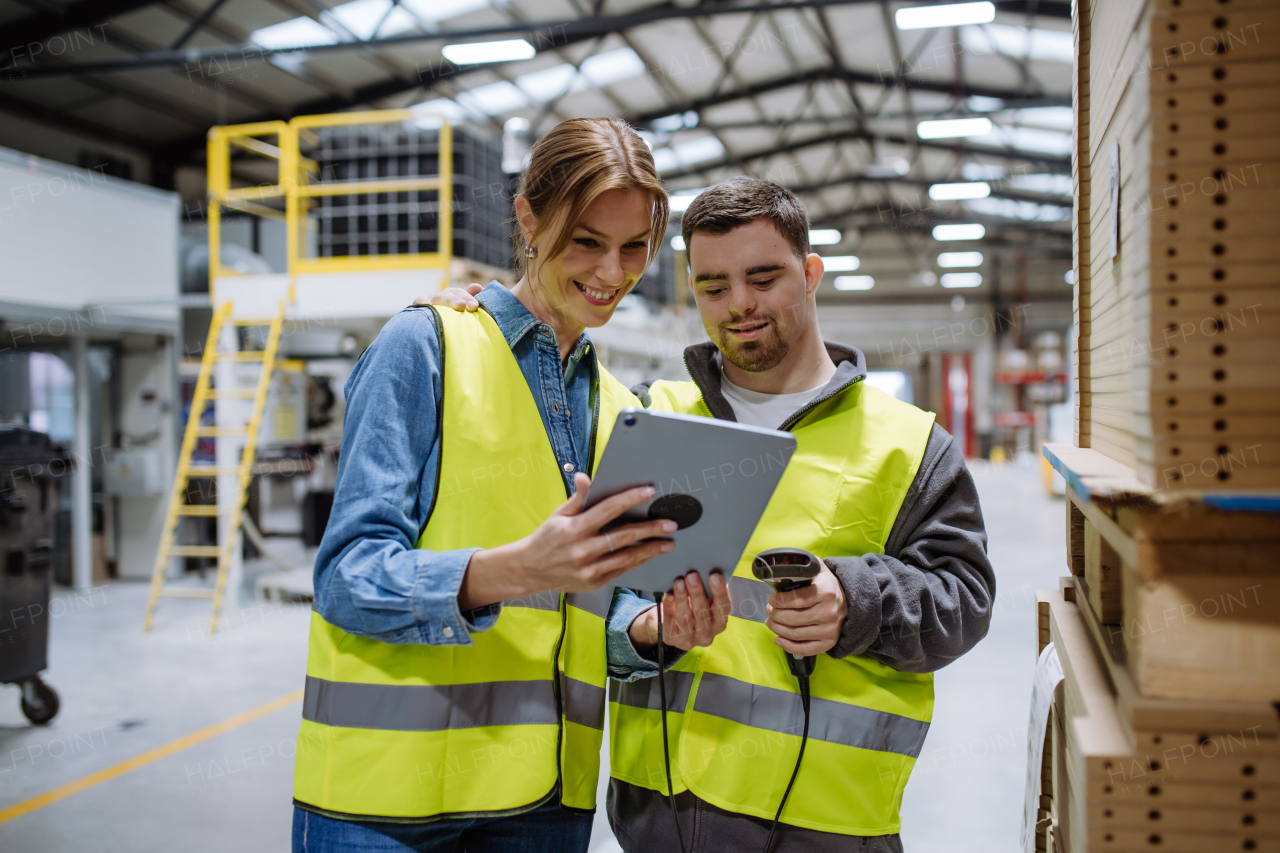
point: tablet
(714, 478)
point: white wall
(71, 239)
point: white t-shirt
(764, 410)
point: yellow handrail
(294, 185)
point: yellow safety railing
(295, 185)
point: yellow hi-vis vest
(738, 716)
(412, 732)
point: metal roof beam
(1051, 163)
(558, 33)
(828, 74)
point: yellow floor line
(145, 758)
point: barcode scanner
(788, 569)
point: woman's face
(605, 257)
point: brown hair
(738, 201)
(576, 161)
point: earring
(530, 252)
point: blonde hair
(574, 163)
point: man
(876, 490)
(879, 493)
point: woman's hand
(808, 621)
(567, 553)
(457, 298)
(688, 619)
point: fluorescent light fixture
(961, 279)
(297, 32)
(854, 282)
(677, 243)
(950, 15)
(958, 232)
(841, 263)
(476, 53)
(948, 128)
(824, 237)
(680, 202)
(984, 104)
(676, 121)
(1027, 211)
(951, 192)
(959, 259)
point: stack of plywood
(1177, 169)
(1135, 774)
(1168, 629)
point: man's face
(753, 292)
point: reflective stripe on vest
(416, 731)
(736, 741)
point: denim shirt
(370, 580)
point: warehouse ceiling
(825, 96)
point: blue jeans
(547, 829)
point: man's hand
(688, 619)
(808, 621)
(457, 298)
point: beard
(755, 356)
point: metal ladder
(188, 470)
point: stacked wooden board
(1165, 734)
(1177, 169)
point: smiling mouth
(597, 297)
(747, 328)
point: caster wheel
(39, 701)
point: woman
(454, 697)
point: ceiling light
(960, 259)
(824, 237)
(854, 282)
(961, 279)
(951, 192)
(950, 15)
(489, 51)
(680, 202)
(958, 232)
(841, 263)
(948, 128)
(891, 167)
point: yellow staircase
(230, 514)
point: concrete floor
(125, 693)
